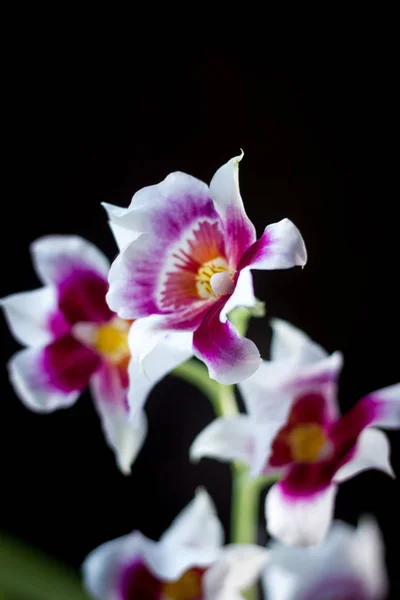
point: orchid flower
(191, 267)
(348, 565)
(293, 431)
(189, 562)
(73, 339)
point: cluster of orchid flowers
(181, 287)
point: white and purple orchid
(191, 266)
(293, 430)
(189, 562)
(73, 339)
(348, 565)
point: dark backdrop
(84, 127)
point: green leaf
(27, 574)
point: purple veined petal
(229, 357)
(238, 568)
(280, 247)
(372, 451)
(160, 274)
(226, 439)
(172, 349)
(57, 257)
(384, 404)
(239, 231)
(299, 521)
(33, 317)
(123, 436)
(52, 377)
(288, 342)
(348, 564)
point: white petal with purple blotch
(299, 521)
(33, 386)
(230, 358)
(372, 452)
(238, 568)
(280, 247)
(56, 257)
(226, 439)
(124, 436)
(29, 315)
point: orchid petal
(57, 257)
(299, 521)
(53, 377)
(372, 452)
(280, 247)
(224, 189)
(196, 527)
(349, 562)
(288, 341)
(386, 406)
(225, 439)
(33, 317)
(229, 357)
(121, 225)
(239, 567)
(243, 294)
(123, 436)
(168, 352)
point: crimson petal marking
(82, 297)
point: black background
(91, 123)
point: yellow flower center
(204, 274)
(111, 340)
(306, 442)
(188, 587)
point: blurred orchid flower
(293, 430)
(73, 339)
(191, 267)
(189, 562)
(349, 565)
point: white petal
(28, 315)
(33, 386)
(121, 226)
(348, 561)
(238, 568)
(288, 341)
(225, 439)
(372, 452)
(55, 257)
(125, 437)
(197, 526)
(302, 521)
(102, 568)
(161, 356)
(243, 294)
(280, 247)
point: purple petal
(138, 583)
(82, 298)
(229, 357)
(280, 247)
(385, 406)
(239, 231)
